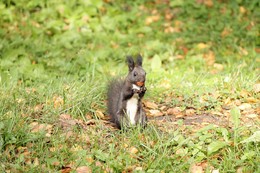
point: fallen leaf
(244, 93)
(218, 66)
(190, 112)
(56, 163)
(202, 46)
(83, 169)
(225, 32)
(174, 111)
(252, 100)
(240, 170)
(100, 114)
(90, 160)
(66, 170)
(257, 88)
(38, 108)
(36, 127)
(138, 169)
(196, 169)
(36, 162)
(209, 57)
(163, 108)
(65, 116)
(133, 150)
(242, 10)
(244, 106)
(208, 3)
(151, 19)
(150, 105)
(98, 163)
(57, 101)
(215, 171)
(155, 113)
(252, 116)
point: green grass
(56, 58)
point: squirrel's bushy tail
(113, 95)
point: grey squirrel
(124, 96)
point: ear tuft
(130, 62)
(139, 60)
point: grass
(57, 57)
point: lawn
(203, 88)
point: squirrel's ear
(130, 62)
(139, 60)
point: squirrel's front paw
(143, 89)
(136, 91)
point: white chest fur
(131, 106)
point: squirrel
(125, 95)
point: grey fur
(121, 90)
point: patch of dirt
(194, 119)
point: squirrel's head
(136, 73)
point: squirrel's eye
(135, 73)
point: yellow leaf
(100, 114)
(202, 46)
(57, 101)
(133, 150)
(252, 100)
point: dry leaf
(138, 169)
(202, 46)
(225, 32)
(257, 88)
(244, 93)
(36, 127)
(83, 169)
(218, 66)
(252, 116)
(100, 114)
(245, 106)
(66, 170)
(36, 162)
(150, 105)
(252, 100)
(240, 170)
(162, 108)
(98, 163)
(174, 111)
(152, 19)
(208, 3)
(56, 163)
(133, 150)
(57, 101)
(242, 10)
(38, 108)
(189, 112)
(90, 160)
(155, 113)
(196, 169)
(217, 113)
(65, 116)
(209, 57)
